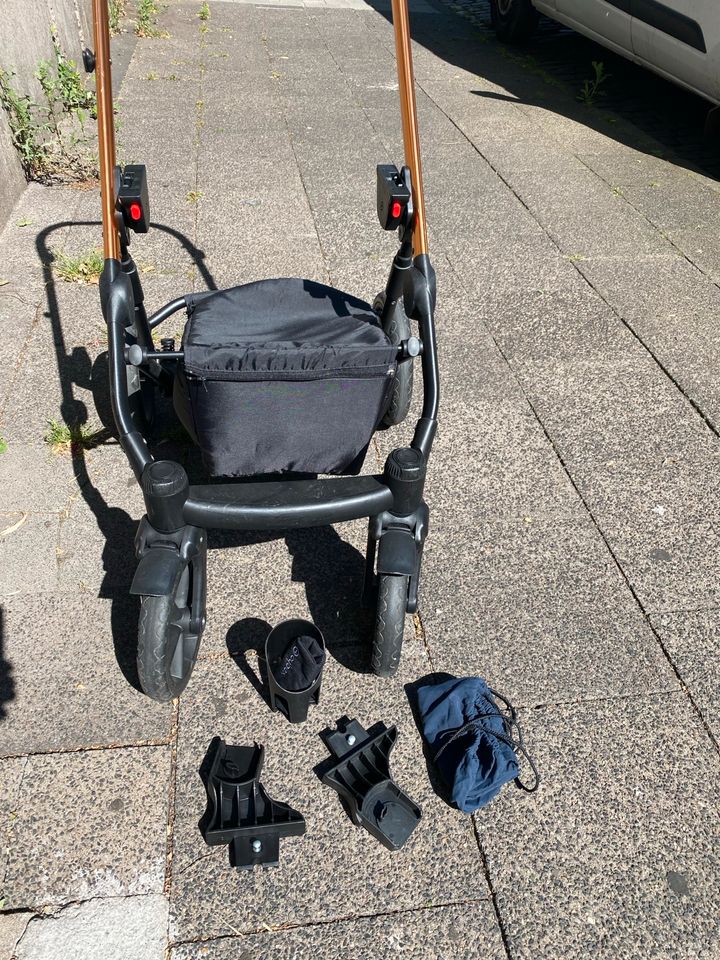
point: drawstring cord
(509, 720)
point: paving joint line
(92, 748)
(491, 887)
(310, 924)
(172, 795)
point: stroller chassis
(171, 541)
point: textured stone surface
(79, 687)
(692, 639)
(28, 552)
(114, 929)
(12, 927)
(573, 494)
(618, 849)
(87, 825)
(412, 935)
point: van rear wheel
(514, 21)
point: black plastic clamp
(239, 811)
(362, 778)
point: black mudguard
(397, 553)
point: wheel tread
(389, 624)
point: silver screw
(256, 846)
(350, 739)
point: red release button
(396, 210)
(135, 211)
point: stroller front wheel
(169, 633)
(389, 624)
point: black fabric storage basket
(283, 376)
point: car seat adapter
(361, 776)
(239, 810)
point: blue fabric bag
(470, 740)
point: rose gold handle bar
(408, 111)
(106, 128)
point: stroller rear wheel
(169, 633)
(389, 624)
(397, 328)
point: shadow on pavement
(651, 114)
(330, 568)
(7, 684)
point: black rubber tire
(389, 624)
(163, 622)
(515, 21)
(397, 329)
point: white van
(679, 39)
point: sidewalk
(575, 527)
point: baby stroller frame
(171, 541)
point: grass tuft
(64, 438)
(146, 22)
(85, 268)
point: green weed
(116, 11)
(193, 196)
(50, 137)
(146, 22)
(204, 12)
(85, 268)
(592, 89)
(25, 130)
(66, 438)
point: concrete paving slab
(94, 559)
(553, 564)
(567, 326)
(659, 288)
(267, 259)
(691, 638)
(77, 685)
(625, 167)
(120, 928)
(411, 935)
(11, 777)
(670, 565)
(89, 825)
(610, 231)
(19, 308)
(12, 927)
(511, 265)
(492, 461)
(675, 202)
(538, 657)
(28, 552)
(33, 479)
(348, 871)
(617, 852)
(699, 245)
(315, 574)
(670, 305)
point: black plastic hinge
(133, 197)
(394, 206)
(361, 776)
(239, 811)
